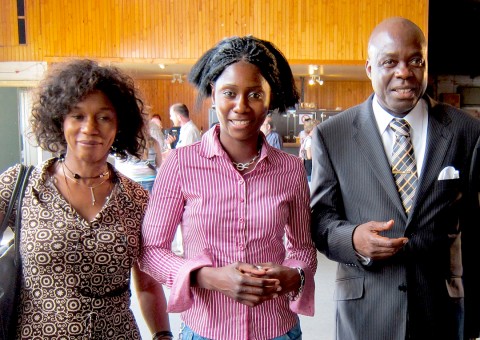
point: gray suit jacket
(422, 285)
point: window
(22, 36)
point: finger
(382, 226)
(256, 281)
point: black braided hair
(269, 59)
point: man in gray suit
(406, 269)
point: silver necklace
(244, 166)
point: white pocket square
(448, 173)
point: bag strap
(19, 213)
(13, 199)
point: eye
(75, 115)
(417, 62)
(256, 95)
(105, 118)
(228, 94)
(389, 63)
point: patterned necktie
(404, 165)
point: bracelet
(292, 296)
(161, 334)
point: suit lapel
(368, 138)
(439, 138)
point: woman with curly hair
(81, 219)
(249, 260)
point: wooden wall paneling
(8, 24)
(35, 31)
(102, 19)
(327, 31)
(7, 20)
(335, 94)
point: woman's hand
(243, 282)
(288, 277)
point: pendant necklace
(92, 193)
(244, 166)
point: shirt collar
(414, 117)
(211, 146)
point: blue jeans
(293, 334)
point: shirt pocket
(349, 288)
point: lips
(240, 122)
(404, 93)
(89, 142)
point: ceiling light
(162, 66)
(177, 78)
(312, 69)
(315, 79)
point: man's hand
(368, 242)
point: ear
(213, 94)
(368, 69)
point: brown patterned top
(76, 274)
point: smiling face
(397, 66)
(90, 128)
(242, 98)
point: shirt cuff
(181, 297)
(305, 304)
(364, 260)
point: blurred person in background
(273, 137)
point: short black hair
(67, 84)
(266, 56)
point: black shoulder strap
(18, 218)
(13, 199)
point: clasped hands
(368, 242)
(249, 284)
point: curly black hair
(265, 55)
(67, 84)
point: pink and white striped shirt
(227, 217)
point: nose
(403, 70)
(241, 105)
(90, 126)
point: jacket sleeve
(301, 251)
(470, 237)
(331, 232)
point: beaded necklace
(77, 176)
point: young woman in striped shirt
(249, 261)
